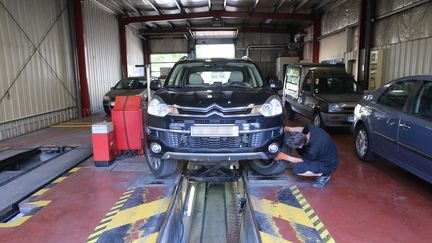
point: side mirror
(275, 84)
(155, 85)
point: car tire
(362, 144)
(160, 167)
(317, 120)
(289, 113)
(269, 167)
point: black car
(214, 111)
(127, 86)
(324, 93)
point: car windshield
(212, 74)
(131, 83)
(331, 82)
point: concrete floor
(364, 202)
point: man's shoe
(321, 181)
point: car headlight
(157, 107)
(335, 108)
(106, 97)
(272, 107)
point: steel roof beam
(179, 6)
(278, 5)
(188, 30)
(217, 14)
(154, 6)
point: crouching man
(317, 150)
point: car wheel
(289, 113)
(317, 120)
(161, 167)
(269, 167)
(362, 144)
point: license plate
(214, 131)
(350, 119)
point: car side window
(423, 104)
(397, 94)
(307, 84)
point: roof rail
(183, 58)
(247, 58)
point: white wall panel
(333, 47)
(101, 36)
(407, 58)
(36, 66)
(135, 55)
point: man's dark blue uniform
(319, 154)
(317, 150)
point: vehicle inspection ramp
(240, 209)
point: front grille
(197, 112)
(242, 141)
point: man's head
(295, 139)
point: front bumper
(337, 119)
(108, 105)
(215, 156)
(249, 145)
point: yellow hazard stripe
(41, 203)
(40, 192)
(70, 126)
(149, 239)
(102, 226)
(142, 211)
(74, 169)
(267, 238)
(15, 223)
(312, 216)
(283, 211)
(60, 179)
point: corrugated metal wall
(102, 52)
(407, 58)
(37, 84)
(135, 55)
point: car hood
(224, 97)
(119, 92)
(338, 98)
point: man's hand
(286, 157)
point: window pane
(423, 106)
(397, 94)
(171, 57)
(215, 51)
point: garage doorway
(215, 51)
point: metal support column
(315, 41)
(146, 51)
(368, 38)
(361, 40)
(80, 46)
(123, 49)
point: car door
(291, 86)
(415, 134)
(385, 116)
(304, 100)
